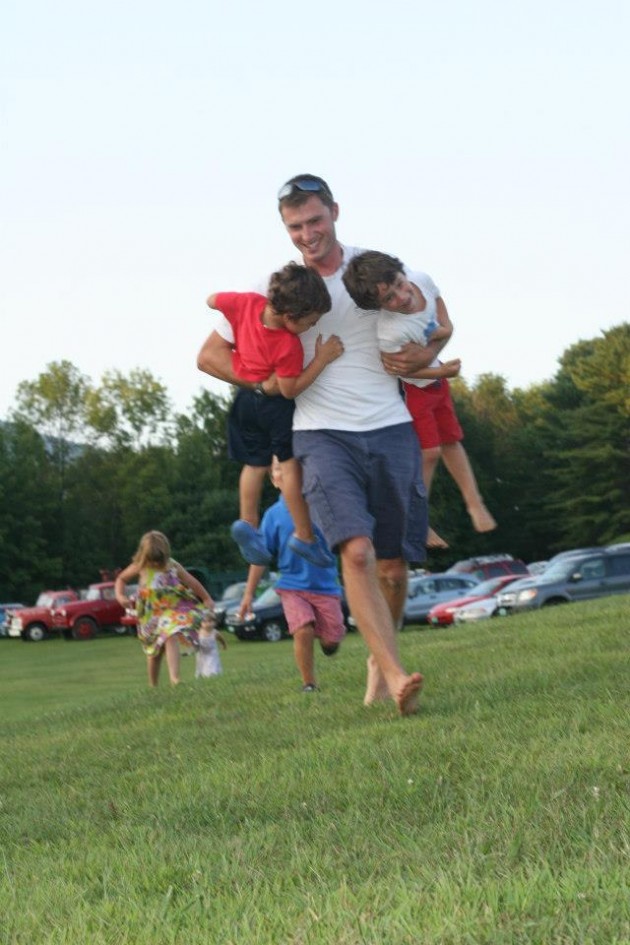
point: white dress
(208, 659)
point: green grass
(239, 811)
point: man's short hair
(301, 188)
(296, 291)
(365, 272)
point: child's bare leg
(430, 460)
(296, 503)
(153, 668)
(303, 653)
(456, 461)
(250, 490)
(172, 659)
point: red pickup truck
(35, 623)
(99, 610)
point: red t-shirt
(259, 351)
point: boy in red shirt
(259, 426)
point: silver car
(595, 573)
(425, 592)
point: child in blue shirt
(311, 595)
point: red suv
(488, 566)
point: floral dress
(166, 607)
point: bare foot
(407, 696)
(377, 689)
(434, 540)
(481, 518)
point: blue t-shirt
(296, 573)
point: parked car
(425, 592)
(6, 612)
(487, 566)
(444, 614)
(571, 578)
(265, 622)
(35, 623)
(233, 595)
(476, 610)
(99, 610)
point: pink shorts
(433, 414)
(322, 610)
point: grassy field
(240, 811)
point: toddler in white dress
(208, 659)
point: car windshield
(558, 570)
(44, 600)
(233, 591)
(267, 597)
(487, 587)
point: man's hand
(412, 357)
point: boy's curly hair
(296, 291)
(365, 272)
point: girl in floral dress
(171, 607)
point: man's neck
(331, 263)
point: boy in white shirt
(410, 308)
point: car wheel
(84, 629)
(272, 631)
(120, 629)
(35, 633)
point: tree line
(85, 469)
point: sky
(143, 144)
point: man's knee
(357, 554)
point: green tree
(130, 410)
(29, 558)
(590, 461)
(55, 405)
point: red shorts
(433, 414)
(322, 610)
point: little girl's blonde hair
(154, 551)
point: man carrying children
(354, 438)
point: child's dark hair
(296, 291)
(365, 272)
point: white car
(478, 610)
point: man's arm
(412, 357)
(215, 359)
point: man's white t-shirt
(395, 329)
(353, 393)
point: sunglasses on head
(304, 184)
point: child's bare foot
(434, 540)
(376, 689)
(481, 518)
(406, 697)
